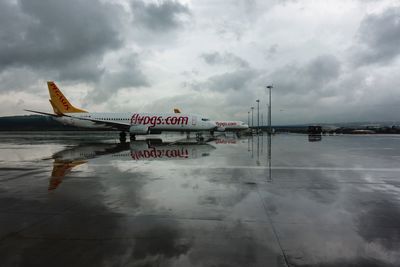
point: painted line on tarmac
(312, 168)
(272, 168)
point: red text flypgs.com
(158, 120)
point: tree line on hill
(33, 123)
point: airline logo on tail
(58, 94)
(59, 102)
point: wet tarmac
(84, 199)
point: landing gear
(199, 137)
(122, 137)
(132, 137)
(187, 135)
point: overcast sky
(329, 61)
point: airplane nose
(212, 124)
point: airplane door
(194, 120)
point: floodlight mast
(258, 115)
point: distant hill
(33, 123)
(353, 124)
(391, 127)
(47, 123)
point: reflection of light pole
(269, 110)
(269, 158)
(262, 119)
(258, 150)
(258, 115)
(252, 147)
(252, 124)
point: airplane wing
(116, 125)
(43, 113)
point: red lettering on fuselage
(160, 153)
(224, 124)
(158, 120)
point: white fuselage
(152, 121)
(231, 125)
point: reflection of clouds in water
(331, 246)
(115, 211)
(334, 217)
(16, 152)
(234, 243)
(205, 244)
(157, 242)
(102, 238)
(379, 221)
(51, 244)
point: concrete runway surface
(84, 199)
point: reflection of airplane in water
(225, 141)
(66, 160)
(144, 150)
(314, 137)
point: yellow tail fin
(59, 102)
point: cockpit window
(205, 119)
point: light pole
(269, 110)
(262, 119)
(248, 118)
(258, 115)
(252, 121)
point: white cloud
(210, 57)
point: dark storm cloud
(314, 76)
(271, 51)
(297, 83)
(378, 38)
(236, 80)
(159, 17)
(69, 37)
(10, 79)
(128, 75)
(216, 58)
(292, 79)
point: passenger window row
(112, 119)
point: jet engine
(138, 129)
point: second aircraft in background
(225, 126)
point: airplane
(135, 123)
(225, 126)
(140, 150)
